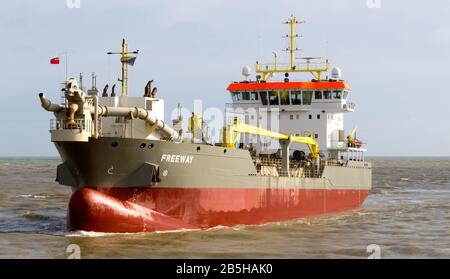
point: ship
(282, 152)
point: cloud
(439, 37)
(193, 48)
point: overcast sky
(396, 58)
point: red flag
(54, 61)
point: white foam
(177, 231)
(96, 234)
(216, 228)
(28, 196)
(106, 234)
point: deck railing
(349, 106)
(274, 167)
(302, 66)
(81, 124)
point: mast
(124, 80)
(316, 68)
(125, 59)
(292, 38)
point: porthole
(114, 144)
(143, 145)
(224, 151)
(150, 146)
(198, 148)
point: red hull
(159, 209)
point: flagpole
(65, 60)
(65, 53)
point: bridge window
(337, 94)
(291, 117)
(273, 98)
(345, 94)
(296, 97)
(236, 96)
(318, 95)
(254, 96)
(246, 96)
(263, 95)
(284, 97)
(327, 94)
(307, 96)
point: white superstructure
(314, 108)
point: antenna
(275, 56)
(292, 21)
(180, 115)
(126, 59)
(246, 72)
(309, 58)
(316, 68)
(94, 81)
(81, 81)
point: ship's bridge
(312, 108)
(302, 108)
(292, 96)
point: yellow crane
(352, 141)
(231, 135)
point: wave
(107, 234)
(34, 216)
(177, 231)
(387, 187)
(29, 196)
(96, 234)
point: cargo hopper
(131, 172)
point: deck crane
(231, 135)
(352, 141)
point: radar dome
(336, 73)
(246, 71)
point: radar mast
(316, 68)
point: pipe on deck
(47, 105)
(105, 111)
(142, 114)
